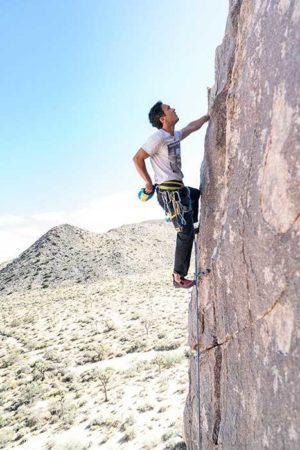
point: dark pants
(185, 238)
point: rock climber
(179, 202)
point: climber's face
(170, 117)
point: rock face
(249, 308)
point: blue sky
(77, 81)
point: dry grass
(57, 343)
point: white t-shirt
(165, 157)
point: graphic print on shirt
(174, 157)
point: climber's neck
(169, 128)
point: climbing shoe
(182, 283)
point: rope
(198, 275)
(173, 207)
(198, 346)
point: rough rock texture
(249, 308)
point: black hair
(155, 114)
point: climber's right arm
(139, 162)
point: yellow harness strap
(172, 185)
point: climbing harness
(173, 185)
(174, 209)
(170, 194)
(198, 275)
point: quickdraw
(174, 208)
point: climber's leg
(184, 244)
(195, 195)
(185, 238)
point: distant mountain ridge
(67, 254)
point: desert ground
(97, 361)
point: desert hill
(4, 264)
(80, 309)
(67, 254)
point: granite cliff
(249, 237)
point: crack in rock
(229, 337)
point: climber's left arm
(194, 126)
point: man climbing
(179, 202)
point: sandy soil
(63, 346)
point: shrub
(135, 316)
(108, 422)
(167, 345)
(3, 421)
(145, 407)
(175, 445)
(136, 346)
(21, 434)
(92, 355)
(6, 435)
(105, 378)
(31, 392)
(148, 324)
(129, 434)
(11, 358)
(142, 365)
(73, 445)
(161, 335)
(129, 421)
(166, 436)
(88, 375)
(29, 319)
(32, 421)
(40, 368)
(63, 408)
(162, 409)
(52, 355)
(99, 352)
(33, 345)
(110, 325)
(166, 361)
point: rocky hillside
(3, 264)
(249, 303)
(93, 355)
(66, 255)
